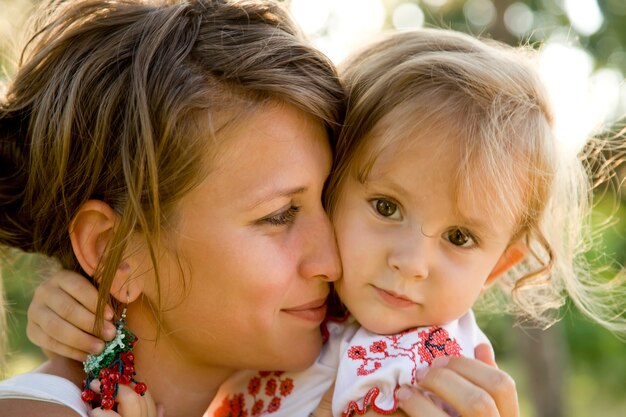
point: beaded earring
(114, 366)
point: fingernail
(97, 347)
(421, 373)
(440, 362)
(108, 314)
(109, 331)
(404, 393)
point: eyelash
(282, 218)
(374, 202)
(466, 232)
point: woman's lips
(395, 300)
(315, 311)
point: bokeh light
(518, 19)
(584, 15)
(407, 16)
(480, 13)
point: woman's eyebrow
(271, 194)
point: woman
(184, 147)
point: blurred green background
(573, 369)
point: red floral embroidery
(433, 343)
(232, 407)
(270, 387)
(254, 386)
(269, 401)
(286, 386)
(378, 346)
(437, 343)
(274, 405)
(357, 352)
(257, 408)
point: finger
(484, 353)
(49, 326)
(70, 310)
(467, 398)
(498, 384)
(99, 412)
(40, 338)
(324, 408)
(160, 410)
(415, 404)
(131, 404)
(127, 398)
(81, 290)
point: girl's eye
(282, 218)
(386, 208)
(460, 237)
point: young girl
(447, 178)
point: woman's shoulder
(39, 394)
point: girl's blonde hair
(114, 100)
(487, 100)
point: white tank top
(44, 387)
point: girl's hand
(472, 387)
(61, 317)
(129, 404)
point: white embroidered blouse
(367, 369)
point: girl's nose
(410, 257)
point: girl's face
(256, 247)
(411, 255)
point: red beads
(114, 366)
(127, 357)
(107, 402)
(87, 395)
(141, 388)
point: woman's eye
(460, 237)
(282, 218)
(386, 208)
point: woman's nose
(322, 256)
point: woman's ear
(90, 231)
(513, 255)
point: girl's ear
(90, 231)
(513, 255)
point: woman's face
(256, 248)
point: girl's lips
(314, 311)
(395, 300)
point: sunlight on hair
(584, 15)
(584, 101)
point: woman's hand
(129, 404)
(473, 387)
(61, 317)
